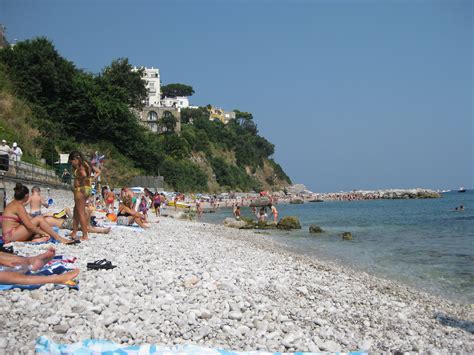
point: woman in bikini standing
(82, 191)
(17, 225)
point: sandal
(73, 242)
(101, 264)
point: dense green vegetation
(174, 90)
(74, 109)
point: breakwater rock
(389, 194)
(314, 229)
(288, 223)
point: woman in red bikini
(17, 225)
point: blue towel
(56, 267)
(95, 346)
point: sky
(354, 94)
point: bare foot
(85, 237)
(65, 278)
(38, 261)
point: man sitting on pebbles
(14, 267)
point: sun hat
(14, 144)
(4, 141)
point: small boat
(462, 189)
(316, 200)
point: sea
(423, 243)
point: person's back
(36, 202)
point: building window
(152, 116)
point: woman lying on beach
(17, 225)
(14, 267)
(126, 215)
(82, 191)
(64, 220)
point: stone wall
(151, 117)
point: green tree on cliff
(175, 90)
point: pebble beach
(189, 282)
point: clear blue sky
(354, 94)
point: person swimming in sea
(82, 191)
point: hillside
(49, 106)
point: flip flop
(101, 265)
(74, 241)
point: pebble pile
(183, 282)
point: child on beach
(157, 204)
(36, 201)
(110, 200)
(143, 207)
(82, 191)
(237, 213)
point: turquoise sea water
(423, 243)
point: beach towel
(133, 227)
(59, 265)
(95, 346)
(61, 232)
(50, 241)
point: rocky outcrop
(346, 236)
(296, 201)
(233, 223)
(314, 229)
(288, 223)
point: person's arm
(28, 201)
(25, 219)
(96, 171)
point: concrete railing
(29, 172)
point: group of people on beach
(19, 225)
(9, 156)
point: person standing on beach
(4, 155)
(82, 191)
(110, 200)
(16, 152)
(157, 204)
(199, 208)
(275, 213)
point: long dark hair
(20, 191)
(75, 154)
